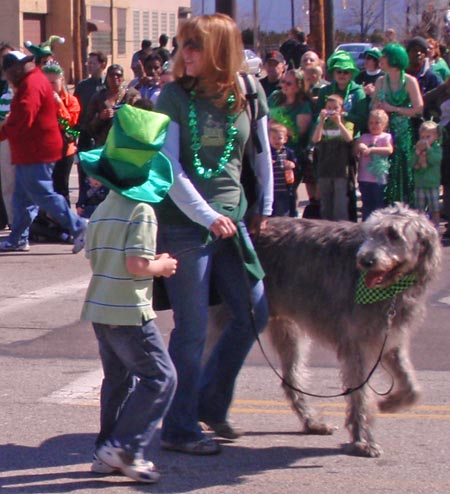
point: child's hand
(323, 115)
(168, 265)
(369, 89)
(80, 211)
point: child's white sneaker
(137, 469)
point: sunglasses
(193, 45)
(116, 74)
(286, 83)
(345, 72)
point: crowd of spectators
(408, 81)
(406, 84)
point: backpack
(249, 181)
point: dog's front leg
(406, 391)
(292, 348)
(359, 418)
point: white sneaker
(136, 469)
(98, 466)
(7, 246)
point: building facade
(116, 27)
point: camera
(330, 113)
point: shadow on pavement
(42, 465)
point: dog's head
(398, 241)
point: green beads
(231, 133)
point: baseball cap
(373, 52)
(15, 56)
(417, 41)
(274, 55)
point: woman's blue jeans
(206, 393)
(138, 385)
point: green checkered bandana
(365, 295)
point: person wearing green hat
(371, 72)
(343, 70)
(139, 377)
(398, 94)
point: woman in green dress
(399, 95)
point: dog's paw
(363, 448)
(396, 401)
(318, 428)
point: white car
(253, 63)
(356, 50)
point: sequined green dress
(400, 185)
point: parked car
(356, 50)
(253, 62)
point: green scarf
(365, 295)
(240, 240)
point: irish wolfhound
(313, 270)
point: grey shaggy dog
(312, 269)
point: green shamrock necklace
(231, 132)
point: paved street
(49, 405)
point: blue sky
(274, 15)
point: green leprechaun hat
(130, 162)
(45, 48)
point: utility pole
(317, 26)
(329, 28)
(363, 33)
(256, 26)
(80, 40)
(292, 14)
(226, 7)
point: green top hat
(131, 163)
(342, 60)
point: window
(163, 23)
(146, 25)
(121, 31)
(155, 27)
(136, 30)
(101, 40)
(172, 25)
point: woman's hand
(223, 227)
(257, 223)
(106, 114)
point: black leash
(390, 315)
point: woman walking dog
(206, 140)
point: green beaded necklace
(231, 132)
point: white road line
(37, 296)
(445, 300)
(83, 390)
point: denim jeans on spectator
(372, 196)
(33, 190)
(206, 393)
(132, 408)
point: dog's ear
(430, 248)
